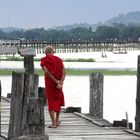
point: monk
(54, 78)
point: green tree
(107, 32)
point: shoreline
(114, 64)
(77, 72)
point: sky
(49, 13)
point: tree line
(102, 33)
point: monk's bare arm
(63, 75)
(50, 75)
(60, 84)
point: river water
(113, 61)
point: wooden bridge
(75, 126)
(11, 47)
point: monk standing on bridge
(54, 77)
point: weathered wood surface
(0, 107)
(24, 87)
(137, 118)
(74, 127)
(16, 104)
(35, 119)
(29, 64)
(96, 95)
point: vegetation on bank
(79, 60)
(76, 72)
(10, 58)
(101, 33)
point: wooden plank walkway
(74, 127)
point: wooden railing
(69, 46)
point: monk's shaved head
(49, 50)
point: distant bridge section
(8, 47)
(12, 46)
(8, 50)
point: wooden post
(96, 95)
(16, 105)
(137, 117)
(29, 90)
(27, 111)
(73, 109)
(42, 95)
(29, 64)
(0, 107)
(35, 117)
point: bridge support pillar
(96, 95)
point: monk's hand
(58, 81)
(59, 86)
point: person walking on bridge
(54, 77)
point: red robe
(55, 96)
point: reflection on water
(119, 94)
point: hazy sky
(49, 13)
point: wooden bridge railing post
(29, 64)
(137, 117)
(35, 119)
(0, 107)
(96, 95)
(16, 105)
(27, 110)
